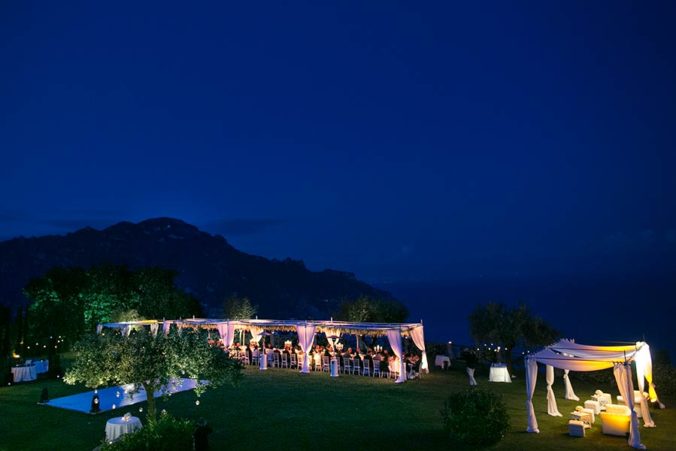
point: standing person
(471, 362)
(201, 435)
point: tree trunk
(150, 396)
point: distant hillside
(208, 267)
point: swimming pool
(112, 398)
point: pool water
(112, 398)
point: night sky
(399, 141)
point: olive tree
(150, 362)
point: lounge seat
(615, 420)
(576, 428)
(594, 405)
(637, 402)
(590, 412)
(602, 398)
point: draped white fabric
(622, 372)
(571, 347)
(549, 357)
(256, 333)
(153, 329)
(227, 332)
(166, 325)
(306, 335)
(570, 394)
(126, 330)
(531, 380)
(644, 371)
(330, 334)
(418, 336)
(394, 337)
(99, 329)
(552, 408)
(643, 367)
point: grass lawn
(284, 410)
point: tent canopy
(571, 356)
(226, 328)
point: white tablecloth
(499, 373)
(440, 360)
(24, 373)
(116, 427)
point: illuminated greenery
(166, 433)
(69, 301)
(150, 361)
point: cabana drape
(256, 333)
(570, 394)
(330, 334)
(306, 335)
(622, 372)
(418, 336)
(394, 337)
(552, 408)
(531, 380)
(227, 332)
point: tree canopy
(370, 309)
(150, 361)
(510, 326)
(70, 301)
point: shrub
(664, 377)
(603, 379)
(475, 418)
(164, 434)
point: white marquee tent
(306, 331)
(570, 356)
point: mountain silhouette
(207, 267)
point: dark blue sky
(396, 140)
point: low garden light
(95, 406)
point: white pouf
(594, 405)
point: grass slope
(281, 409)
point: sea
(602, 310)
